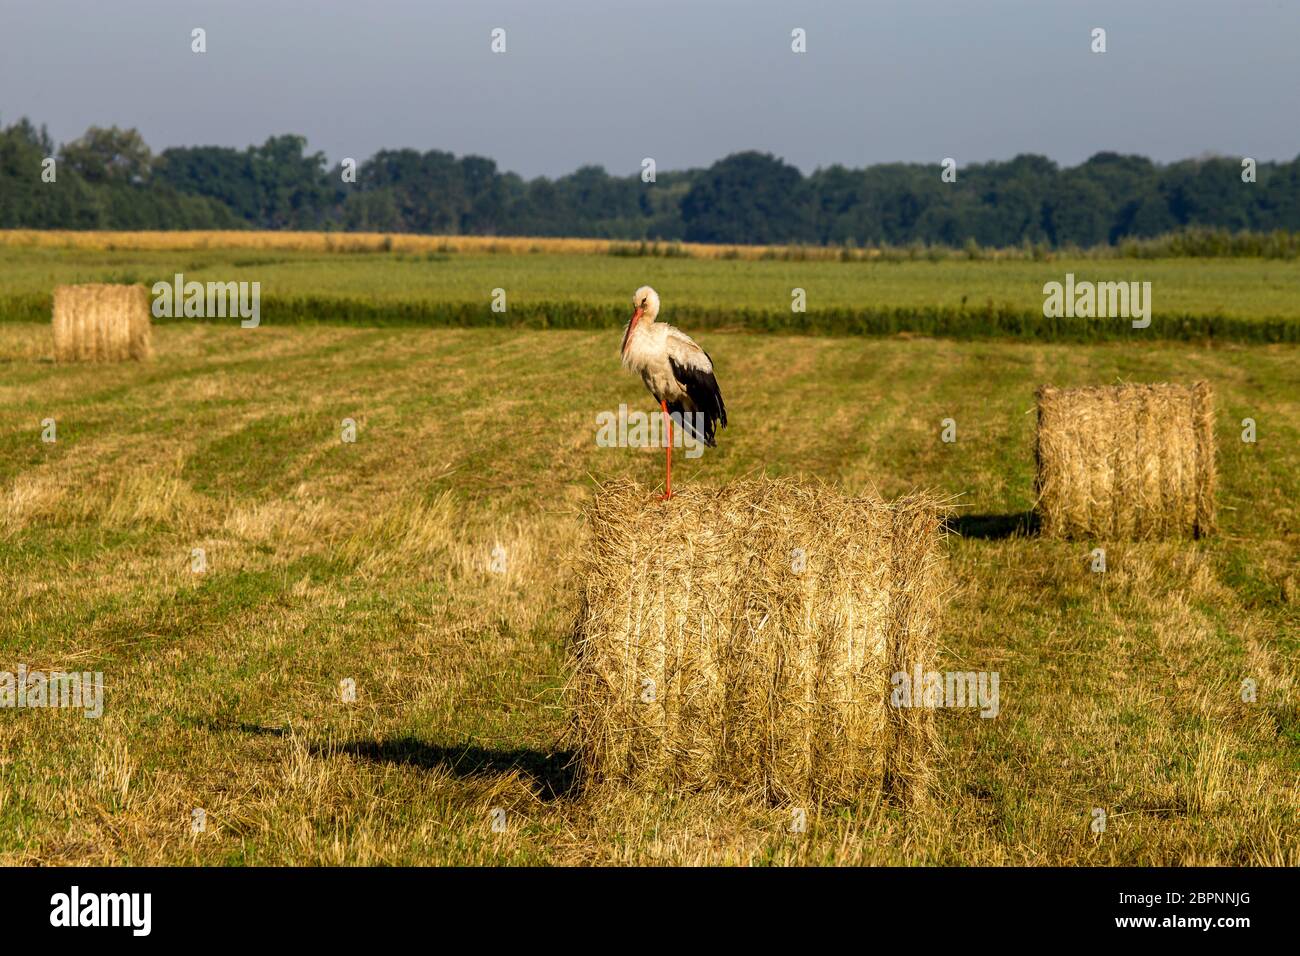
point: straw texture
(744, 638)
(1126, 461)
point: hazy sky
(611, 81)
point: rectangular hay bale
(1126, 461)
(101, 323)
(744, 638)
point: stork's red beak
(631, 326)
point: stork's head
(645, 306)
(646, 301)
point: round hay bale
(744, 638)
(1126, 461)
(101, 323)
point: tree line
(109, 178)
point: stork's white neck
(643, 344)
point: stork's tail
(698, 424)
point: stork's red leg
(668, 423)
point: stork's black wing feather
(703, 392)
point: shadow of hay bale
(745, 638)
(992, 527)
(553, 774)
(1126, 461)
(102, 323)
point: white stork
(678, 373)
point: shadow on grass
(260, 731)
(224, 726)
(553, 773)
(994, 527)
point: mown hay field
(432, 563)
(1191, 299)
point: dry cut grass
(435, 563)
(352, 242)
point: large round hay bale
(101, 323)
(744, 638)
(1126, 461)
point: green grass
(370, 560)
(1193, 299)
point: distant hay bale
(1126, 461)
(101, 323)
(744, 638)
